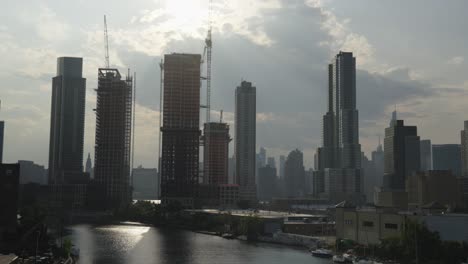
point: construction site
(113, 136)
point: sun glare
(190, 15)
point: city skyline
(26, 103)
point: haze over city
(407, 56)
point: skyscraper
(89, 165)
(282, 160)
(378, 164)
(180, 128)
(339, 158)
(67, 121)
(216, 153)
(2, 134)
(464, 150)
(266, 183)
(271, 162)
(426, 154)
(113, 134)
(294, 174)
(245, 124)
(401, 155)
(447, 157)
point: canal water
(139, 244)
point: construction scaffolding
(216, 153)
(113, 136)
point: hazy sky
(409, 53)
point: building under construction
(180, 128)
(215, 153)
(113, 136)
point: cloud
(457, 60)
(281, 46)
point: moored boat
(322, 253)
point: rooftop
(260, 213)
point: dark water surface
(135, 244)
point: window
(348, 222)
(391, 226)
(367, 223)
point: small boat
(365, 261)
(227, 236)
(322, 253)
(349, 257)
(340, 259)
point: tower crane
(207, 54)
(106, 43)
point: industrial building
(113, 136)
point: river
(140, 244)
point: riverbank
(143, 244)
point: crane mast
(208, 47)
(106, 43)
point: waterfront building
(113, 137)
(215, 153)
(339, 158)
(245, 138)
(67, 121)
(145, 183)
(180, 128)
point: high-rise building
(215, 153)
(294, 174)
(464, 150)
(232, 169)
(378, 164)
(89, 165)
(9, 188)
(113, 135)
(145, 183)
(282, 160)
(2, 134)
(32, 173)
(426, 154)
(266, 183)
(369, 177)
(401, 155)
(245, 124)
(67, 121)
(447, 157)
(340, 153)
(439, 186)
(180, 128)
(262, 157)
(271, 162)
